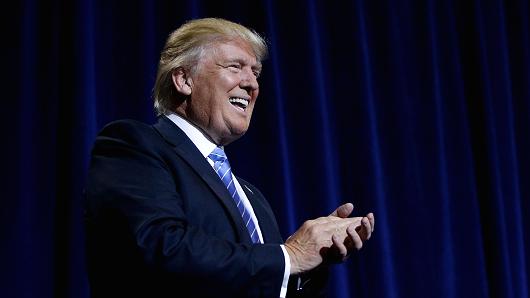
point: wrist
(295, 268)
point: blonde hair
(185, 46)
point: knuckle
(308, 223)
(313, 232)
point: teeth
(243, 102)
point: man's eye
(256, 74)
(234, 66)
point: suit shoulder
(127, 130)
(124, 126)
(128, 133)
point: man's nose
(249, 81)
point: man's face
(224, 89)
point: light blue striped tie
(222, 168)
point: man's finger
(367, 228)
(343, 251)
(357, 242)
(371, 218)
(364, 230)
(343, 210)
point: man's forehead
(235, 51)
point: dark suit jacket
(161, 223)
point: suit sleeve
(312, 284)
(132, 196)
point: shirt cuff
(286, 273)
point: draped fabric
(417, 111)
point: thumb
(343, 211)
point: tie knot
(217, 154)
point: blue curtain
(415, 110)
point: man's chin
(231, 135)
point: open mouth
(238, 102)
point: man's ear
(181, 81)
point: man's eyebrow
(257, 66)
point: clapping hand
(328, 239)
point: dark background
(415, 110)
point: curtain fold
(414, 110)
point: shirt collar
(201, 141)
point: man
(165, 215)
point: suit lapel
(185, 148)
(267, 222)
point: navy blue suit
(160, 222)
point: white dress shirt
(206, 146)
